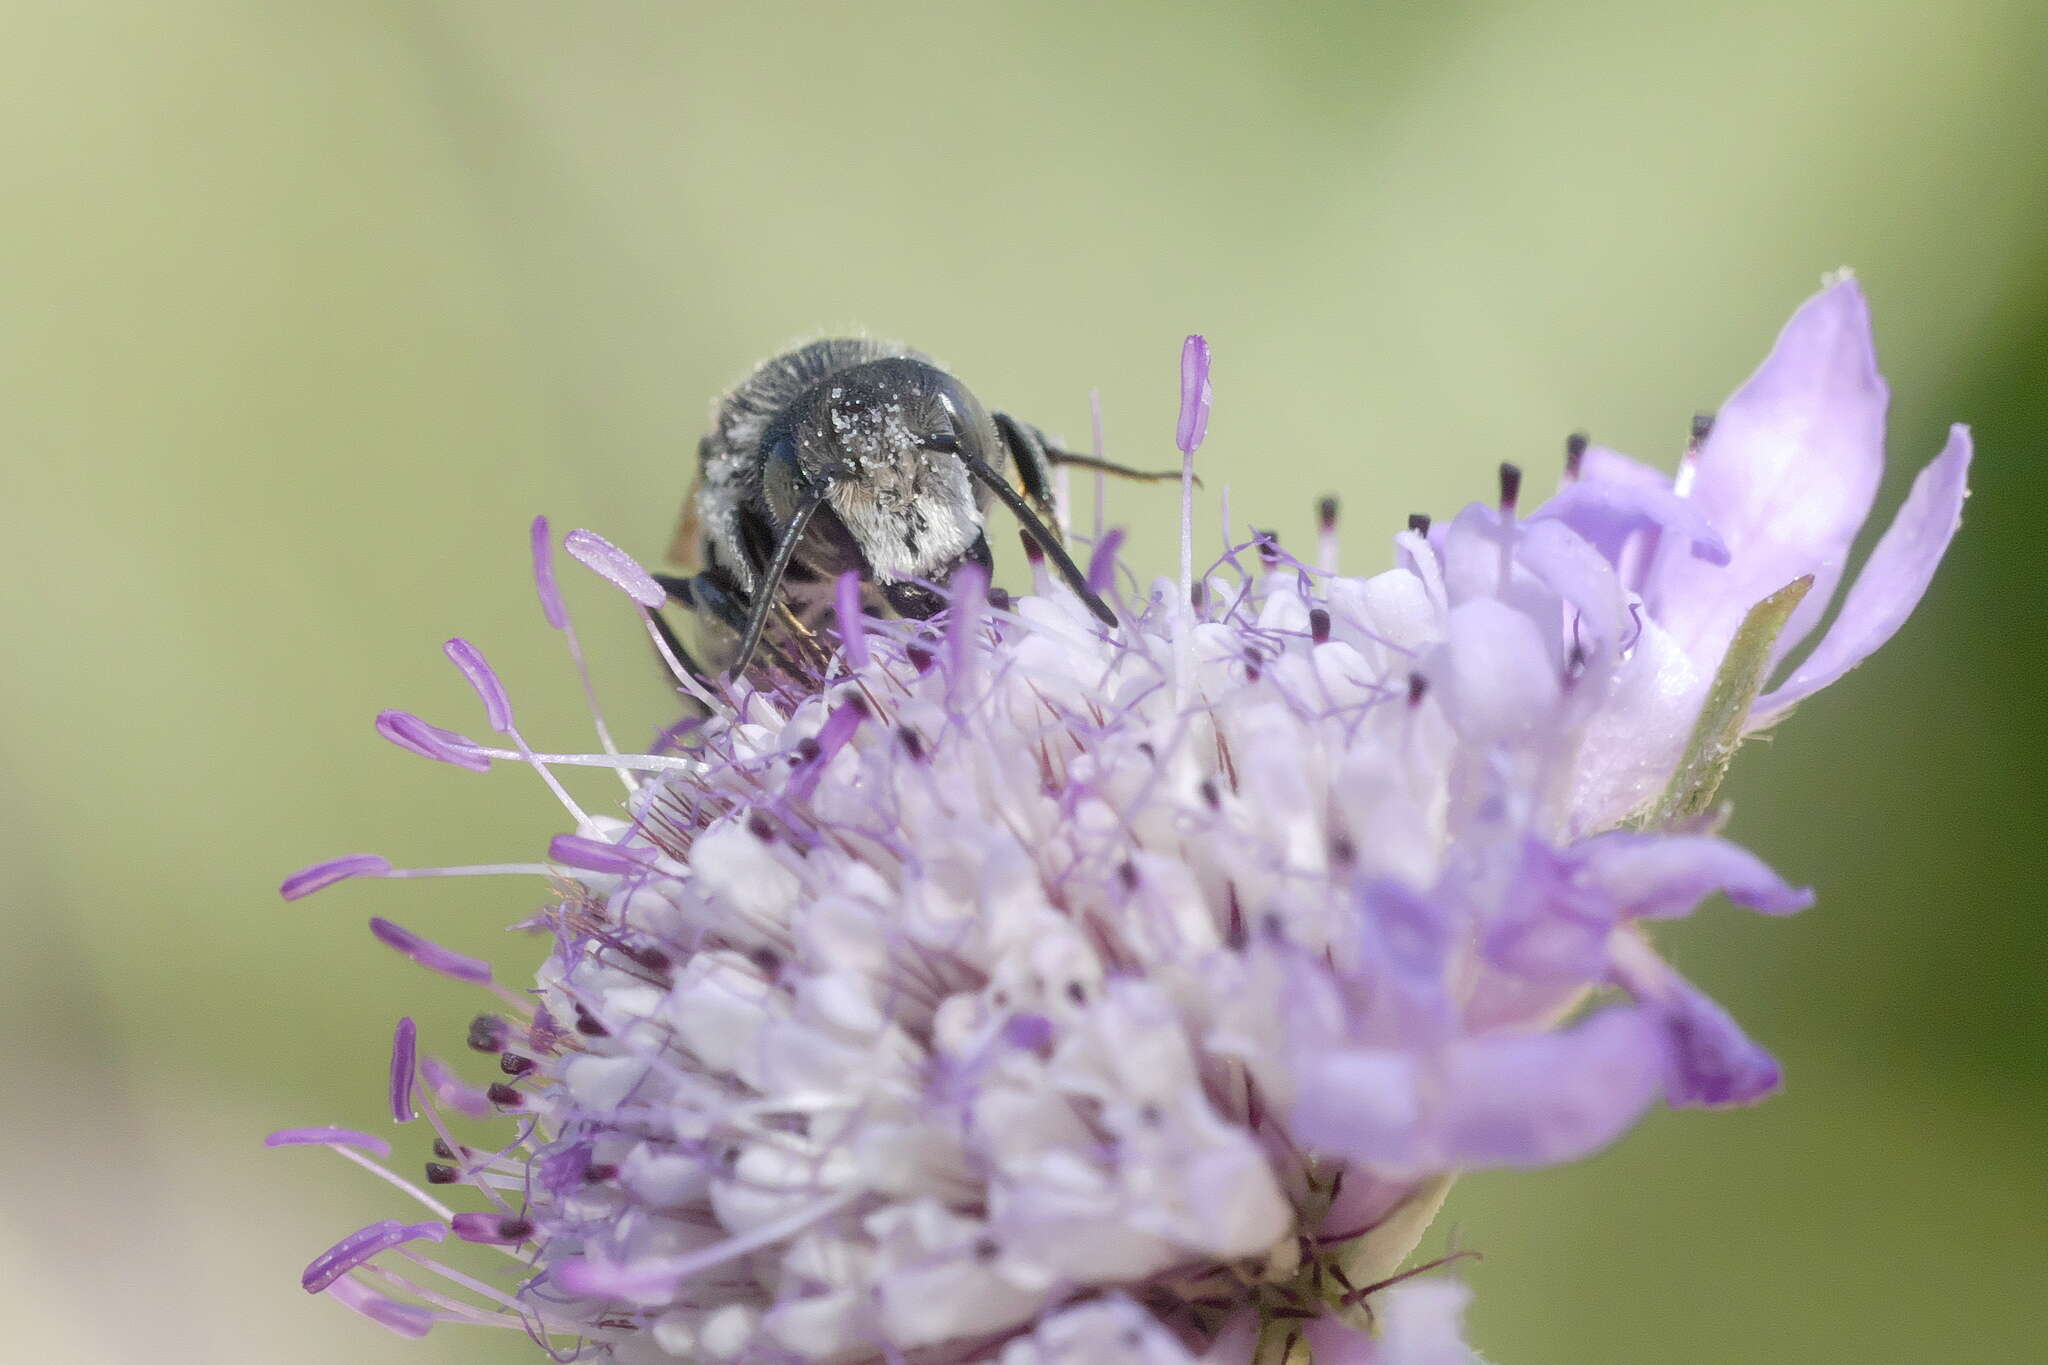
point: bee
(851, 454)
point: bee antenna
(1041, 533)
(763, 600)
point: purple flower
(1035, 992)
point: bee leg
(714, 597)
(1027, 446)
(683, 592)
(1031, 450)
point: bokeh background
(305, 308)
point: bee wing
(686, 547)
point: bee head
(881, 443)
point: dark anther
(1198, 594)
(807, 749)
(1234, 934)
(1269, 546)
(443, 1150)
(488, 1033)
(986, 1249)
(912, 745)
(514, 1229)
(439, 1174)
(600, 1171)
(1574, 453)
(1254, 666)
(1034, 553)
(1211, 797)
(1127, 873)
(1149, 753)
(1077, 992)
(1326, 513)
(1318, 625)
(767, 959)
(761, 827)
(1702, 426)
(650, 957)
(512, 1064)
(1342, 851)
(587, 1025)
(1418, 688)
(505, 1097)
(999, 598)
(1418, 522)
(857, 704)
(920, 657)
(1510, 485)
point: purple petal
(1407, 932)
(358, 1247)
(594, 1279)
(839, 727)
(620, 569)
(544, 576)
(853, 634)
(1607, 511)
(1893, 579)
(414, 735)
(1194, 394)
(406, 1319)
(1786, 476)
(967, 592)
(431, 955)
(491, 1229)
(596, 855)
(1330, 1342)
(491, 692)
(1493, 676)
(1524, 1099)
(1420, 1322)
(1102, 562)
(404, 1051)
(1713, 1063)
(1578, 573)
(452, 1091)
(1028, 1032)
(564, 1170)
(1537, 1099)
(832, 736)
(322, 875)
(1710, 1061)
(1549, 928)
(1660, 876)
(328, 1137)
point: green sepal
(1376, 1254)
(1725, 713)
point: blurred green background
(305, 308)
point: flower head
(1029, 991)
